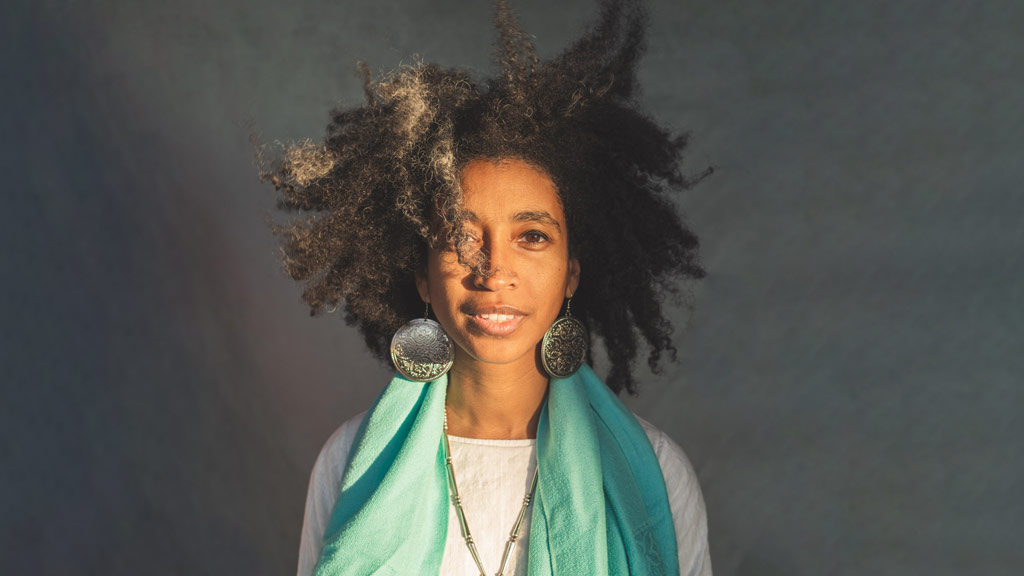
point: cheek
(445, 278)
(449, 268)
(442, 264)
(552, 291)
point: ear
(421, 284)
(574, 278)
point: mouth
(495, 320)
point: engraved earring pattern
(421, 351)
(564, 346)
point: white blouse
(493, 477)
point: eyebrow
(539, 216)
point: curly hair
(385, 184)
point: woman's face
(514, 219)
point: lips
(496, 320)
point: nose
(495, 270)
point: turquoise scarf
(391, 517)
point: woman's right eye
(462, 243)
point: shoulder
(324, 485)
(675, 466)
(334, 455)
(685, 500)
(325, 480)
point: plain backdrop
(849, 384)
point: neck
(495, 401)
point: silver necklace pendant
(453, 489)
(421, 351)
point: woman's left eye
(535, 237)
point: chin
(499, 352)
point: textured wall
(850, 381)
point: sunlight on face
(515, 221)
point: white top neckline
(493, 476)
(510, 443)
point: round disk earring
(564, 345)
(421, 351)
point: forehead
(500, 189)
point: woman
(521, 212)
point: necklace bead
(453, 489)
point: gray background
(850, 383)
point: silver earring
(564, 346)
(421, 351)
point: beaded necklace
(464, 526)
